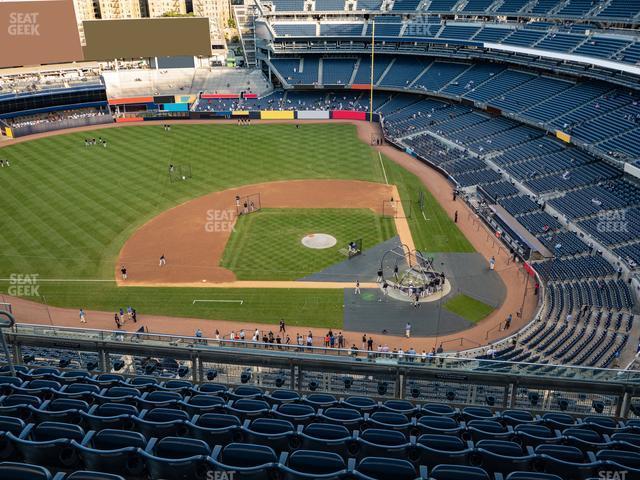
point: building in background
(159, 8)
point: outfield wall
(60, 125)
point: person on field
(283, 328)
(123, 272)
(163, 260)
(82, 316)
(357, 291)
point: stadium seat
(23, 471)
(248, 461)
(48, 444)
(440, 425)
(566, 461)
(65, 410)
(320, 400)
(348, 417)
(376, 468)
(13, 425)
(176, 457)
(215, 428)
(274, 433)
(434, 449)
(500, 456)
(109, 415)
(161, 422)
(374, 442)
(297, 413)
(362, 404)
(112, 451)
(280, 396)
(327, 437)
(458, 472)
(311, 465)
(202, 403)
(390, 421)
(248, 408)
(488, 429)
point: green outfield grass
(266, 245)
(67, 209)
(468, 307)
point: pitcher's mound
(318, 241)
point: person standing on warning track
(283, 327)
(246, 208)
(252, 207)
(238, 201)
(163, 260)
(379, 276)
(357, 291)
(492, 263)
(123, 272)
(395, 273)
(455, 217)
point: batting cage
(248, 204)
(179, 173)
(396, 209)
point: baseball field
(69, 209)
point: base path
(193, 235)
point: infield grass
(468, 307)
(68, 209)
(267, 245)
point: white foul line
(220, 301)
(424, 216)
(386, 180)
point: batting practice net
(248, 204)
(179, 173)
(395, 209)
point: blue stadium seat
(6, 382)
(23, 471)
(477, 413)
(271, 432)
(118, 394)
(327, 437)
(584, 438)
(501, 456)
(389, 420)
(159, 422)
(248, 408)
(248, 461)
(533, 435)
(112, 451)
(88, 475)
(440, 410)
(79, 391)
(434, 449)
(320, 400)
(440, 425)
(558, 420)
(376, 468)
(176, 457)
(374, 442)
(294, 412)
(202, 403)
(311, 465)
(362, 404)
(245, 391)
(215, 428)
(348, 417)
(48, 444)
(13, 425)
(566, 461)
(488, 429)
(65, 410)
(282, 396)
(458, 472)
(159, 399)
(18, 405)
(109, 415)
(400, 406)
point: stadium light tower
(373, 40)
(6, 323)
